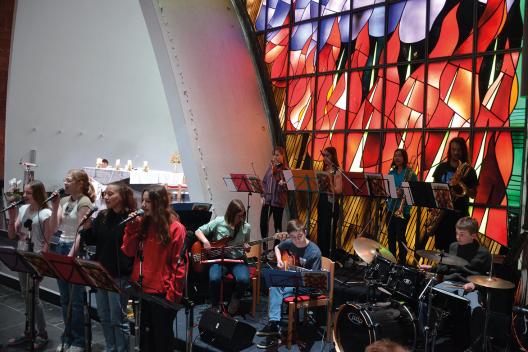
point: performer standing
(31, 221)
(398, 212)
(309, 257)
(156, 241)
(67, 214)
(327, 205)
(275, 197)
(107, 235)
(232, 225)
(459, 175)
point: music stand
(244, 183)
(84, 273)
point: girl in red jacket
(159, 236)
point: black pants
(265, 214)
(326, 213)
(396, 236)
(157, 334)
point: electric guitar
(220, 251)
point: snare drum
(379, 270)
(406, 281)
(359, 325)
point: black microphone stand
(189, 306)
(31, 296)
(139, 302)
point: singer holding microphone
(32, 223)
(67, 214)
(275, 193)
(106, 233)
(155, 241)
(327, 205)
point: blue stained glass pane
(395, 12)
(301, 33)
(358, 22)
(344, 28)
(306, 9)
(277, 15)
(259, 23)
(326, 27)
(377, 22)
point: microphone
(55, 193)
(87, 216)
(28, 224)
(139, 212)
(14, 205)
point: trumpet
(399, 212)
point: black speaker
(226, 333)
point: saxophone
(399, 212)
(458, 189)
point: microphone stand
(30, 296)
(189, 307)
(137, 327)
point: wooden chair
(305, 301)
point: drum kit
(359, 324)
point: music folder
(317, 280)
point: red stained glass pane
(300, 104)
(331, 102)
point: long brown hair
(235, 206)
(282, 152)
(333, 156)
(128, 201)
(462, 144)
(39, 193)
(82, 177)
(161, 214)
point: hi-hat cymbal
(368, 249)
(491, 282)
(441, 257)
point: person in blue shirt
(397, 215)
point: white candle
(98, 162)
(118, 163)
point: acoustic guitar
(221, 252)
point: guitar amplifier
(225, 333)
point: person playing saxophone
(398, 211)
(462, 178)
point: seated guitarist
(308, 256)
(232, 225)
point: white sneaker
(60, 349)
(75, 349)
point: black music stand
(84, 273)
(244, 183)
(18, 263)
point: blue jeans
(74, 327)
(111, 309)
(217, 271)
(276, 295)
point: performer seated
(309, 257)
(155, 240)
(233, 226)
(455, 277)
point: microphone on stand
(139, 212)
(14, 205)
(87, 216)
(57, 192)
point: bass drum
(359, 325)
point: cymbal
(441, 257)
(491, 282)
(368, 249)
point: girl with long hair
(327, 205)
(275, 193)
(232, 225)
(66, 216)
(31, 222)
(155, 240)
(106, 233)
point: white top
(70, 210)
(34, 220)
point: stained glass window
(369, 76)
